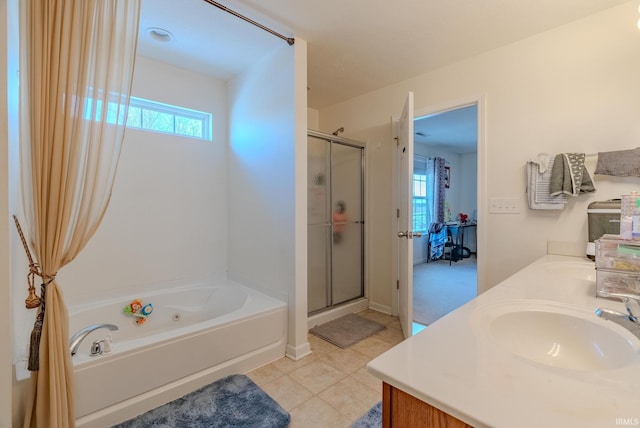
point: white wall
(166, 222)
(571, 89)
(469, 179)
(262, 177)
(313, 118)
(8, 142)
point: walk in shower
(335, 221)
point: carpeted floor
(347, 330)
(439, 288)
(234, 401)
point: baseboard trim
(337, 312)
(296, 353)
(381, 308)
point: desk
(459, 251)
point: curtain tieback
(33, 301)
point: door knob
(407, 235)
(417, 234)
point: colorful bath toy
(139, 311)
(133, 307)
(146, 309)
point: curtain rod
(290, 40)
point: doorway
(335, 222)
(442, 285)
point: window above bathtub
(158, 117)
(154, 116)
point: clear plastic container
(635, 222)
(614, 253)
(613, 281)
(628, 203)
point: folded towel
(542, 160)
(621, 163)
(570, 176)
(538, 197)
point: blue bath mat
(234, 401)
(371, 419)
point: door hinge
(397, 284)
(398, 213)
(397, 141)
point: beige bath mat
(347, 330)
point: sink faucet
(77, 338)
(630, 319)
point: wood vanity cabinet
(402, 410)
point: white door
(405, 217)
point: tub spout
(77, 338)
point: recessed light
(160, 34)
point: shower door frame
(362, 147)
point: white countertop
(455, 366)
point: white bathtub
(194, 336)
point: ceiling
(454, 130)
(355, 46)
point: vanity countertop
(457, 366)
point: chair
(445, 240)
(455, 251)
(440, 239)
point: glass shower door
(319, 225)
(335, 223)
(347, 224)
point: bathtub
(194, 336)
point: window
(420, 203)
(421, 214)
(168, 119)
(154, 116)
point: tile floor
(331, 387)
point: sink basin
(559, 336)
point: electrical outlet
(503, 205)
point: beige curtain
(79, 59)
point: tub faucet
(629, 320)
(77, 338)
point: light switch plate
(504, 205)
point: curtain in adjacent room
(438, 188)
(434, 170)
(79, 66)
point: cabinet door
(400, 409)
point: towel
(570, 176)
(437, 239)
(539, 176)
(621, 163)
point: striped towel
(539, 178)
